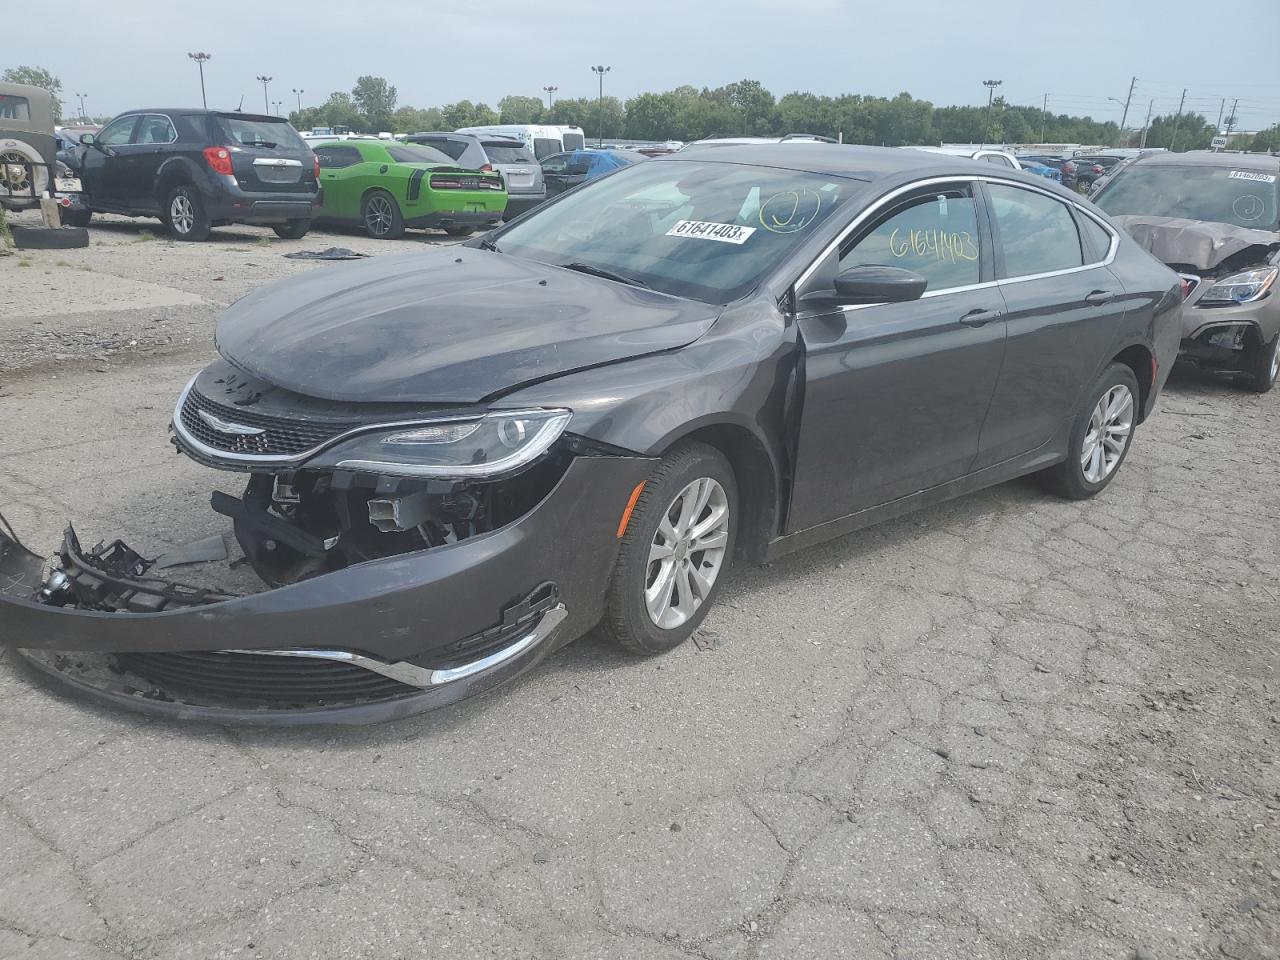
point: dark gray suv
(510, 157)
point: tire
(459, 231)
(689, 470)
(185, 216)
(381, 217)
(43, 238)
(1262, 364)
(292, 229)
(18, 180)
(1082, 475)
(77, 218)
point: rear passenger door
(150, 145)
(1062, 306)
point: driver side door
(103, 169)
(895, 394)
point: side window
(556, 164)
(1036, 232)
(155, 129)
(453, 149)
(118, 132)
(334, 158)
(999, 160)
(1099, 238)
(544, 147)
(934, 233)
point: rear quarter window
(14, 107)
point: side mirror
(88, 140)
(877, 284)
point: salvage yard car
(457, 460)
(387, 186)
(198, 169)
(28, 151)
(1214, 218)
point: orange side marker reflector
(631, 505)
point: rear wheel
(185, 215)
(381, 216)
(292, 229)
(1262, 364)
(1100, 438)
(674, 552)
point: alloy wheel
(687, 553)
(182, 214)
(378, 215)
(1275, 361)
(1108, 434)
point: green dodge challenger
(388, 186)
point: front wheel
(1100, 437)
(381, 216)
(675, 551)
(185, 215)
(292, 229)
(1262, 365)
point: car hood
(457, 325)
(1199, 244)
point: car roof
(843, 160)
(1207, 158)
(496, 138)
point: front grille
(260, 680)
(280, 437)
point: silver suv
(525, 186)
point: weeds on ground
(143, 236)
(6, 238)
(263, 241)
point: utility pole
(551, 92)
(1125, 117)
(1044, 116)
(1217, 127)
(1231, 120)
(298, 93)
(991, 93)
(201, 59)
(1178, 119)
(265, 104)
(600, 71)
(83, 119)
(1146, 123)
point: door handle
(1099, 297)
(980, 318)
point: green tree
(754, 106)
(1268, 139)
(413, 120)
(376, 99)
(576, 111)
(1191, 131)
(38, 77)
(518, 109)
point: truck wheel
(675, 551)
(1100, 438)
(1262, 365)
(185, 215)
(292, 229)
(381, 216)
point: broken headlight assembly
(478, 448)
(1244, 287)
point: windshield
(417, 153)
(261, 133)
(1244, 198)
(698, 229)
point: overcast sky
(132, 53)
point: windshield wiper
(602, 272)
(487, 244)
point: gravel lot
(1007, 727)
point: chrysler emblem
(226, 426)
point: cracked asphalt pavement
(1005, 727)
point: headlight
(1241, 287)
(480, 447)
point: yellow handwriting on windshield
(936, 244)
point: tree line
(744, 108)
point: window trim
(870, 211)
(137, 129)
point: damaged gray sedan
(457, 461)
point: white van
(543, 139)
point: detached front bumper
(431, 616)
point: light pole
(277, 105)
(265, 80)
(201, 59)
(551, 92)
(600, 71)
(991, 93)
(298, 93)
(83, 118)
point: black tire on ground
(185, 216)
(627, 620)
(459, 231)
(43, 238)
(76, 218)
(1068, 479)
(381, 217)
(292, 229)
(1261, 364)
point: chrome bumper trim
(425, 678)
